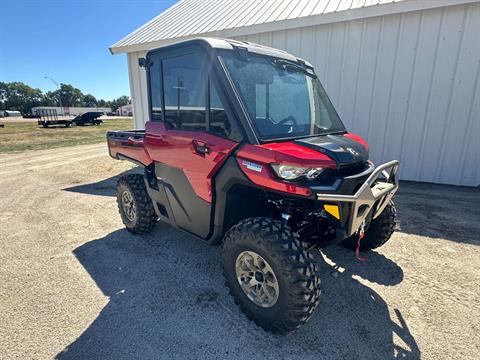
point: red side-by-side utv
(243, 148)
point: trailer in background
(49, 117)
(89, 118)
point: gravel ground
(75, 285)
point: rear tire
(378, 233)
(286, 258)
(134, 204)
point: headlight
(289, 172)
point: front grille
(329, 175)
(351, 169)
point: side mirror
(142, 62)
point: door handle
(134, 141)
(201, 147)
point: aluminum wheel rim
(257, 279)
(128, 205)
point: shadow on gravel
(106, 187)
(439, 211)
(167, 300)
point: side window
(155, 91)
(219, 123)
(184, 83)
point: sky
(68, 40)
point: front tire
(264, 254)
(134, 204)
(378, 233)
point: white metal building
(11, 113)
(404, 74)
(73, 111)
(125, 110)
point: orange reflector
(332, 210)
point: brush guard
(374, 195)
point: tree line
(21, 97)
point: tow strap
(361, 235)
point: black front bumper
(373, 190)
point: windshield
(282, 99)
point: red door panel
(198, 154)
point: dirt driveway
(75, 285)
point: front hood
(345, 151)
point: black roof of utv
(228, 44)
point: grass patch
(21, 136)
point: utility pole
(59, 95)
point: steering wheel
(287, 119)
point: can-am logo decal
(352, 151)
(252, 166)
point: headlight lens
(289, 172)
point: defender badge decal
(252, 166)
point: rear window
(155, 90)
